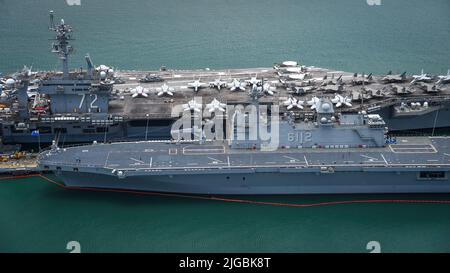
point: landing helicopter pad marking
(372, 159)
(204, 150)
(412, 148)
(115, 158)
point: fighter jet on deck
(196, 85)
(398, 78)
(421, 78)
(362, 79)
(444, 79)
(218, 83)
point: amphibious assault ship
(90, 105)
(333, 153)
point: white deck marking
(107, 157)
(385, 161)
(420, 148)
(292, 159)
(137, 160)
(228, 160)
(214, 159)
(306, 161)
(204, 151)
(370, 158)
(151, 161)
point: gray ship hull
(251, 182)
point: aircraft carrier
(104, 105)
(334, 153)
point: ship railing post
(146, 126)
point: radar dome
(323, 120)
(326, 106)
(103, 74)
(10, 82)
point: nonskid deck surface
(410, 152)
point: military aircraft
(314, 102)
(331, 88)
(293, 102)
(362, 79)
(151, 78)
(401, 90)
(324, 81)
(398, 78)
(376, 93)
(363, 94)
(337, 81)
(266, 88)
(215, 105)
(165, 89)
(339, 100)
(236, 85)
(192, 105)
(253, 81)
(421, 78)
(196, 85)
(139, 91)
(429, 87)
(218, 83)
(444, 79)
(299, 90)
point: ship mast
(61, 46)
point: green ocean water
(36, 216)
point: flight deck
(154, 156)
(374, 95)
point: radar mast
(61, 45)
